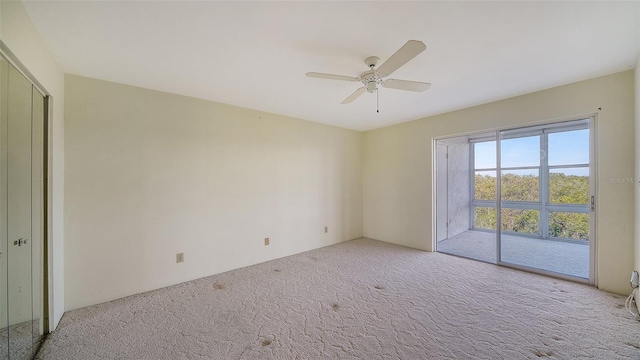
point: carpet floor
(361, 299)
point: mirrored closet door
(22, 214)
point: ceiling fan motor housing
(371, 79)
(372, 86)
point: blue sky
(565, 148)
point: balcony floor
(562, 257)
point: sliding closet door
(21, 214)
(19, 232)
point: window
(544, 181)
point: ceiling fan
(374, 77)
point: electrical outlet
(634, 279)
(326, 229)
(266, 241)
(179, 257)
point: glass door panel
(517, 152)
(485, 185)
(520, 185)
(545, 189)
(569, 185)
(568, 147)
(485, 218)
(569, 225)
(520, 221)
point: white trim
(593, 178)
(434, 194)
(498, 198)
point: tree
(563, 189)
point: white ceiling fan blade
(332, 77)
(407, 52)
(406, 85)
(355, 95)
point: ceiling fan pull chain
(377, 101)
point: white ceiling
(256, 54)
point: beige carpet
(361, 299)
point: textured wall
(458, 186)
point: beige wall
(398, 169)
(23, 40)
(150, 174)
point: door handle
(20, 242)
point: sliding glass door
(544, 189)
(519, 197)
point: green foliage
(485, 218)
(569, 225)
(520, 220)
(563, 189)
(519, 187)
(568, 189)
(486, 187)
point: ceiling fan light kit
(374, 77)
